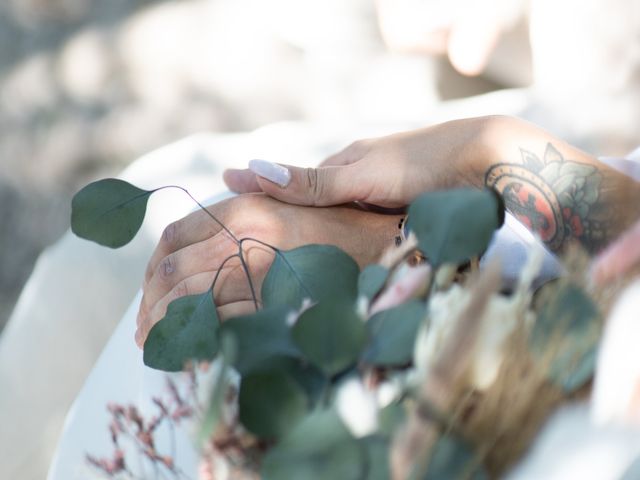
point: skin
(561, 193)
(192, 249)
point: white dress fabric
(120, 376)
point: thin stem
(224, 262)
(245, 267)
(211, 215)
(249, 239)
(286, 262)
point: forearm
(558, 191)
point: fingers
(236, 309)
(193, 228)
(191, 271)
(241, 181)
(318, 187)
(205, 256)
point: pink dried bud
(174, 392)
(155, 421)
(160, 404)
(146, 438)
(115, 409)
(118, 460)
(134, 416)
(168, 462)
(183, 411)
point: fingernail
(271, 171)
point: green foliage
(331, 336)
(213, 414)
(371, 280)
(109, 212)
(318, 448)
(188, 331)
(259, 337)
(303, 273)
(454, 225)
(453, 458)
(566, 335)
(270, 403)
(392, 334)
(289, 367)
(377, 457)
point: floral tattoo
(553, 196)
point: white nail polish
(271, 171)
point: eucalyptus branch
(211, 215)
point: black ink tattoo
(552, 196)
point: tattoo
(552, 196)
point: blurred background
(86, 86)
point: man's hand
(192, 249)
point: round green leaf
(568, 329)
(188, 331)
(454, 225)
(392, 334)
(317, 448)
(270, 403)
(330, 335)
(317, 272)
(371, 280)
(109, 212)
(260, 336)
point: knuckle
(313, 185)
(181, 289)
(167, 266)
(170, 235)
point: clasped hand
(192, 249)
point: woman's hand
(387, 171)
(192, 249)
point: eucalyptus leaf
(270, 403)
(392, 334)
(213, 414)
(307, 376)
(566, 335)
(109, 212)
(330, 335)
(318, 448)
(390, 418)
(317, 272)
(188, 331)
(377, 450)
(455, 225)
(452, 458)
(260, 336)
(371, 280)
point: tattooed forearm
(555, 197)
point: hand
(388, 171)
(192, 249)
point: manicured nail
(271, 171)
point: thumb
(318, 187)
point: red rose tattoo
(552, 196)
